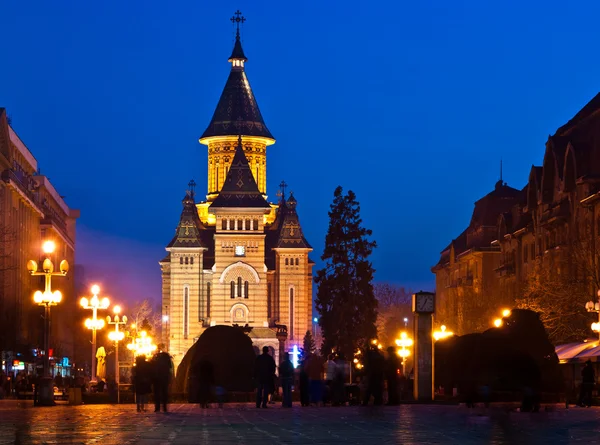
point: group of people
(325, 382)
(154, 374)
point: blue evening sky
(409, 104)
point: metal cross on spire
(236, 20)
(192, 186)
(282, 187)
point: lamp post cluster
(591, 306)
(48, 298)
(442, 333)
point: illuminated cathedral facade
(237, 259)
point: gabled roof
(239, 188)
(237, 111)
(290, 234)
(188, 232)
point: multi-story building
(237, 259)
(31, 211)
(553, 221)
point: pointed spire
(239, 188)
(291, 235)
(237, 111)
(188, 230)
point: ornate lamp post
(94, 323)
(47, 299)
(404, 342)
(116, 336)
(498, 322)
(142, 345)
(590, 306)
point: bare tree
(146, 316)
(394, 304)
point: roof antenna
(192, 188)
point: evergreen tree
(345, 298)
(308, 345)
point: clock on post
(423, 307)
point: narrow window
(269, 307)
(239, 289)
(256, 224)
(187, 260)
(240, 225)
(192, 261)
(232, 290)
(246, 286)
(223, 224)
(186, 311)
(297, 261)
(180, 260)
(287, 262)
(291, 313)
(208, 285)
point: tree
(345, 299)
(145, 317)
(393, 306)
(308, 345)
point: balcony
(505, 270)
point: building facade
(31, 211)
(552, 223)
(237, 259)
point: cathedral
(237, 259)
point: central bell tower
(237, 114)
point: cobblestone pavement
(244, 424)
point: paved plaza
(20, 423)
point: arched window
(291, 313)
(256, 224)
(180, 260)
(187, 260)
(269, 307)
(192, 261)
(246, 286)
(186, 311)
(297, 261)
(223, 224)
(208, 285)
(240, 224)
(239, 290)
(232, 290)
(287, 262)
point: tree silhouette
(345, 298)
(308, 345)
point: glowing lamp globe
(48, 247)
(95, 289)
(38, 296)
(84, 302)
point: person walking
(314, 369)
(163, 368)
(286, 375)
(330, 370)
(264, 370)
(392, 364)
(588, 379)
(374, 368)
(304, 385)
(142, 382)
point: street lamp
(94, 323)
(47, 299)
(442, 333)
(142, 345)
(498, 322)
(590, 306)
(116, 336)
(404, 342)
